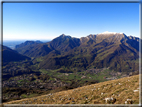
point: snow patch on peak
(107, 32)
(121, 33)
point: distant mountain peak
(110, 35)
(63, 35)
(91, 36)
(66, 36)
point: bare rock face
(106, 36)
(111, 37)
(110, 100)
(128, 101)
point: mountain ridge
(114, 50)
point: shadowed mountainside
(12, 55)
(64, 43)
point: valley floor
(121, 90)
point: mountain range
(34, 68)
(114, 50)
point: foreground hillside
(124, 90)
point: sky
(46, 21)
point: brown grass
(120, 89)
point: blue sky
(45, 21)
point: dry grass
(120, 89)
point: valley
(21, 80)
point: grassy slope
(121, 89)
